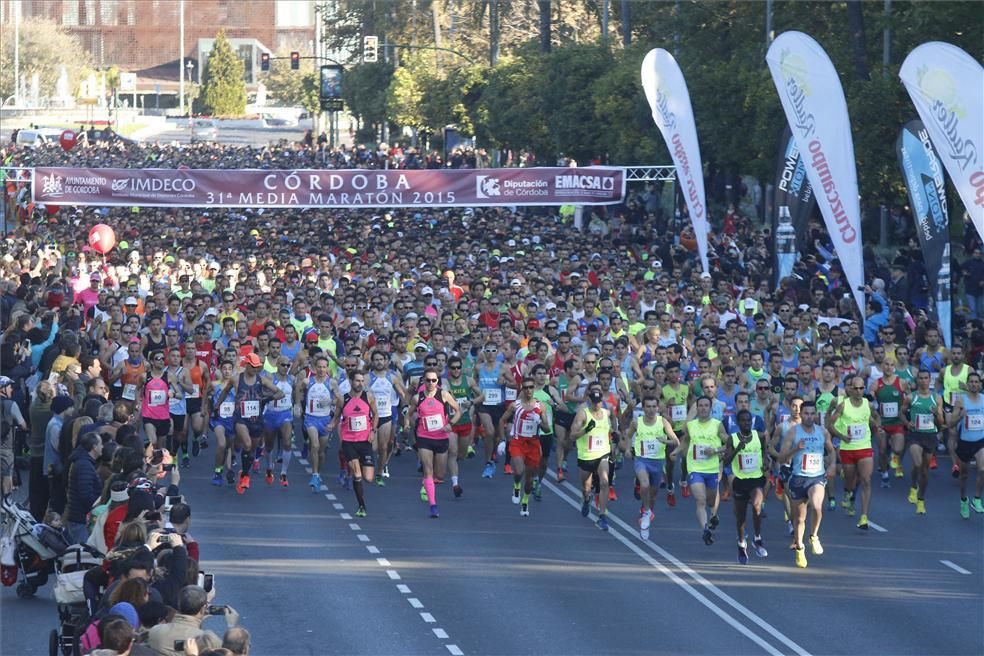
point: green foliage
(364, 91)
(45, 48)
(223, 88)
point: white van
(35, 136)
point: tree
(285, 85)
(45, 50)
(364, 91)
(223, 88)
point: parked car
(37, 136)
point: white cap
(516, 282)
(427, 290)
(130, 300)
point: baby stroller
(34, 547)
(73, 612)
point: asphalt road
(307, 578)
(236, 136)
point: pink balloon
(102, 239)
(68, 139)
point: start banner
(328, 188)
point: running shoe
(977, 505)
(561, 475)
(230, 476)
(361, 511)
(893, 461)
(863, 522)
(965, 508)
(423, 494)
(713, 522)
(898, 472)
(524, 510)
(685, 489)
(434, 514)
(185, 461)
(269, 477)
(940, 447)
(742, 555)
(955, 471)
(602, 522)
(832, 504)
(457, 491)
(386, 471)
(671, 500)
(759, 548)
(586, 508)
(932, 462)
(243, 483)
(507, 469)
(726, 494)
(203, 442)
(611, 493)
(489, 470)
(196, 447)
(885, 483)
(217, 479)
(283, 480)
(815, 545)
(707, 537)
(380, 481)
(315, 482)
(800, 557)
(912, 495)
(920, 507)
(635, 491)
(256, 464)
(515, 495)
(644, 534)
(470, 453)
(537, 490)
(645, 520)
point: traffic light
(295, 60)
(370, 45)
(265, 61)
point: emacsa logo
(487, 187)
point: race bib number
(528, 428)
(650, 448)
(130, 392)
(703, 452)
(493, 396)
(925, 423)
(281, 404)
(890, 410)
(511, 394)
(750, 462)
(812, 464)
(318, 405)
(359, 423)
(597, 442)
(251, 408)
(433, 422)
(158, 397)
(974, 422)
(226, 409)
(856, 431)
(678, 412)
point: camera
(206, 581)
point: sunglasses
(454, 368)
(430, 380)
(527, 387)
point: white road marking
(440, 633)
(331, 497)
(345, 516)
(405, 589)
(455, 651)
(372, 549)
(324, 488)
(383, 562)
(415, 602)
(362, 537)
(393, 574)
(686, 586)
(337, 506)
(354, 527)
(880, 529)
(956, 568)
(303, 461)
(427, 617)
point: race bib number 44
(678, 412)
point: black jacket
(84, 485)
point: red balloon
(51, 209)
(102, 239)
(68, 140)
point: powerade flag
(786, 253)
(793, 189)
(813, 99)
(947, 87)
(926, 183)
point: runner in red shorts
(527, 416)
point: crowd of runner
(606, 357)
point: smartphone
(208, 580)
(179, 645)
(173, 500)
(217, 610)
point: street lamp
(189, 67)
